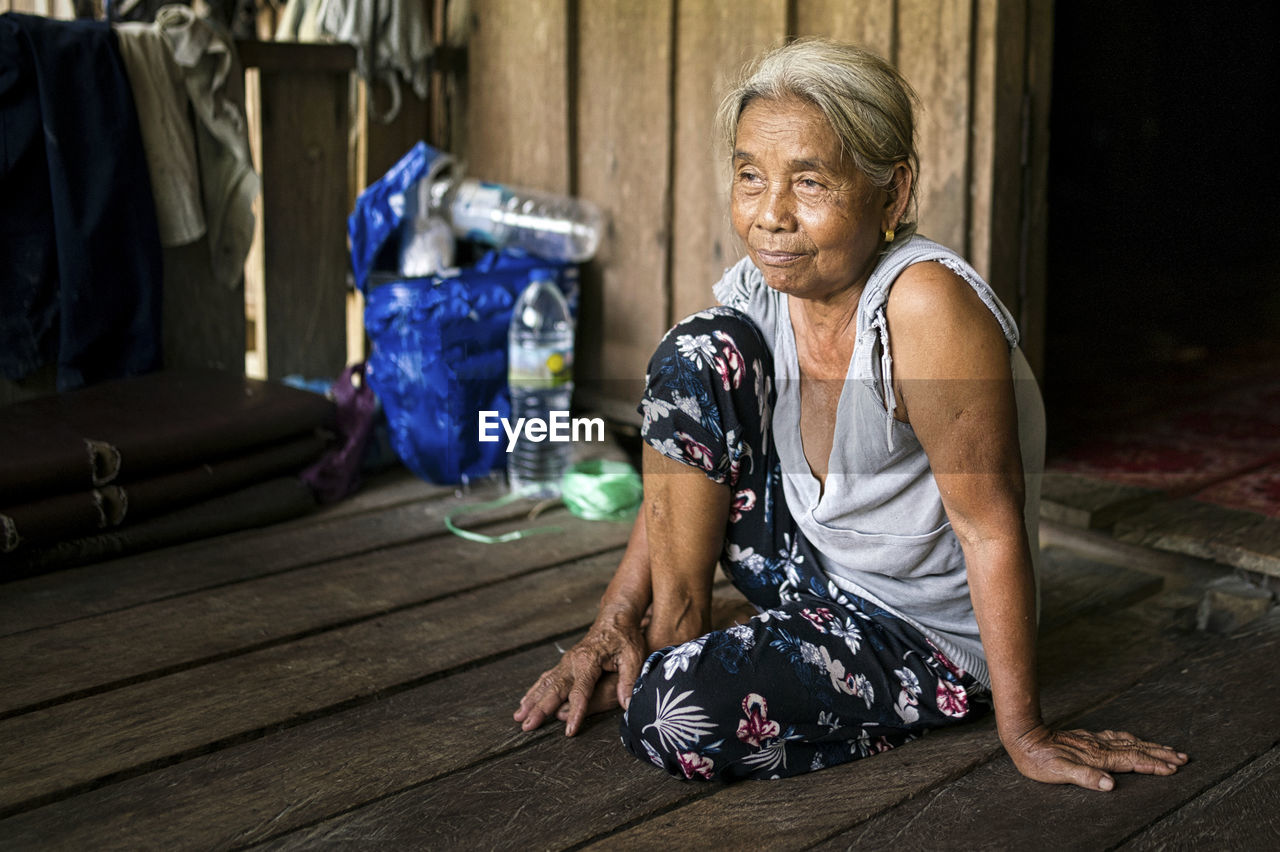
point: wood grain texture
(1229, 536)
(934, 54)
(1240, 812)
(624, 159)
(517, 109)
(993, 807)
(713, 41)
(396, 730)
(1009, 162)
(240, 795)
(1080, 501)
(552, 795)
(108, 587)
(132, 729)
(1035, 211)
(395, 486)
(997, 172)
(868, 23)
(304, 196)
(1072, 586)
(203, 321)
(63, 660)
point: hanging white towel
(160, 98)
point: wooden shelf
(295, 56)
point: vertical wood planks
(385, 144)
(624, 143)
(1039, 58)
(712, 43)
(304, 195)
(517, 98)
(868, 23)
(934, 55)
(996, 174)
(203, 321)
(1008, 217)
(615, 101)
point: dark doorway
(1164, 216)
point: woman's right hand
(615, 643)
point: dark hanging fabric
(80, 274)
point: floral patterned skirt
(818, 677)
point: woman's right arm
(615, 643)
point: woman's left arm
(954, 386)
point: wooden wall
(613, 100)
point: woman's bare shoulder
(929, 288)
(938, 322)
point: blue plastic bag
(438, 345)
(439, 356)
(381, 208)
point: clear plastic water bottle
(540, 375)
(553, 227)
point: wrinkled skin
(594, 675)
(1086, 758)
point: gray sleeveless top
(879, 529)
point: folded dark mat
(65, 516)
(264, 503)
(136, 428)
(161, 494)
(54, 519)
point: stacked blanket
(97, 461)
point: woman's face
(812, 223)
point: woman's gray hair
(865, 100)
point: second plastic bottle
(543, 224)
(540, 376)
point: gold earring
(888, 235)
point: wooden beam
(304, 211)
(294, 56)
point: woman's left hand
(1086, 758)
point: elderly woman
(855, 435)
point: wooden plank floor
(347, 680)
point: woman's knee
(702, 336)
(673, 714)
(709, 393)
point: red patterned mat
(1224, 450)
(1258, 491)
